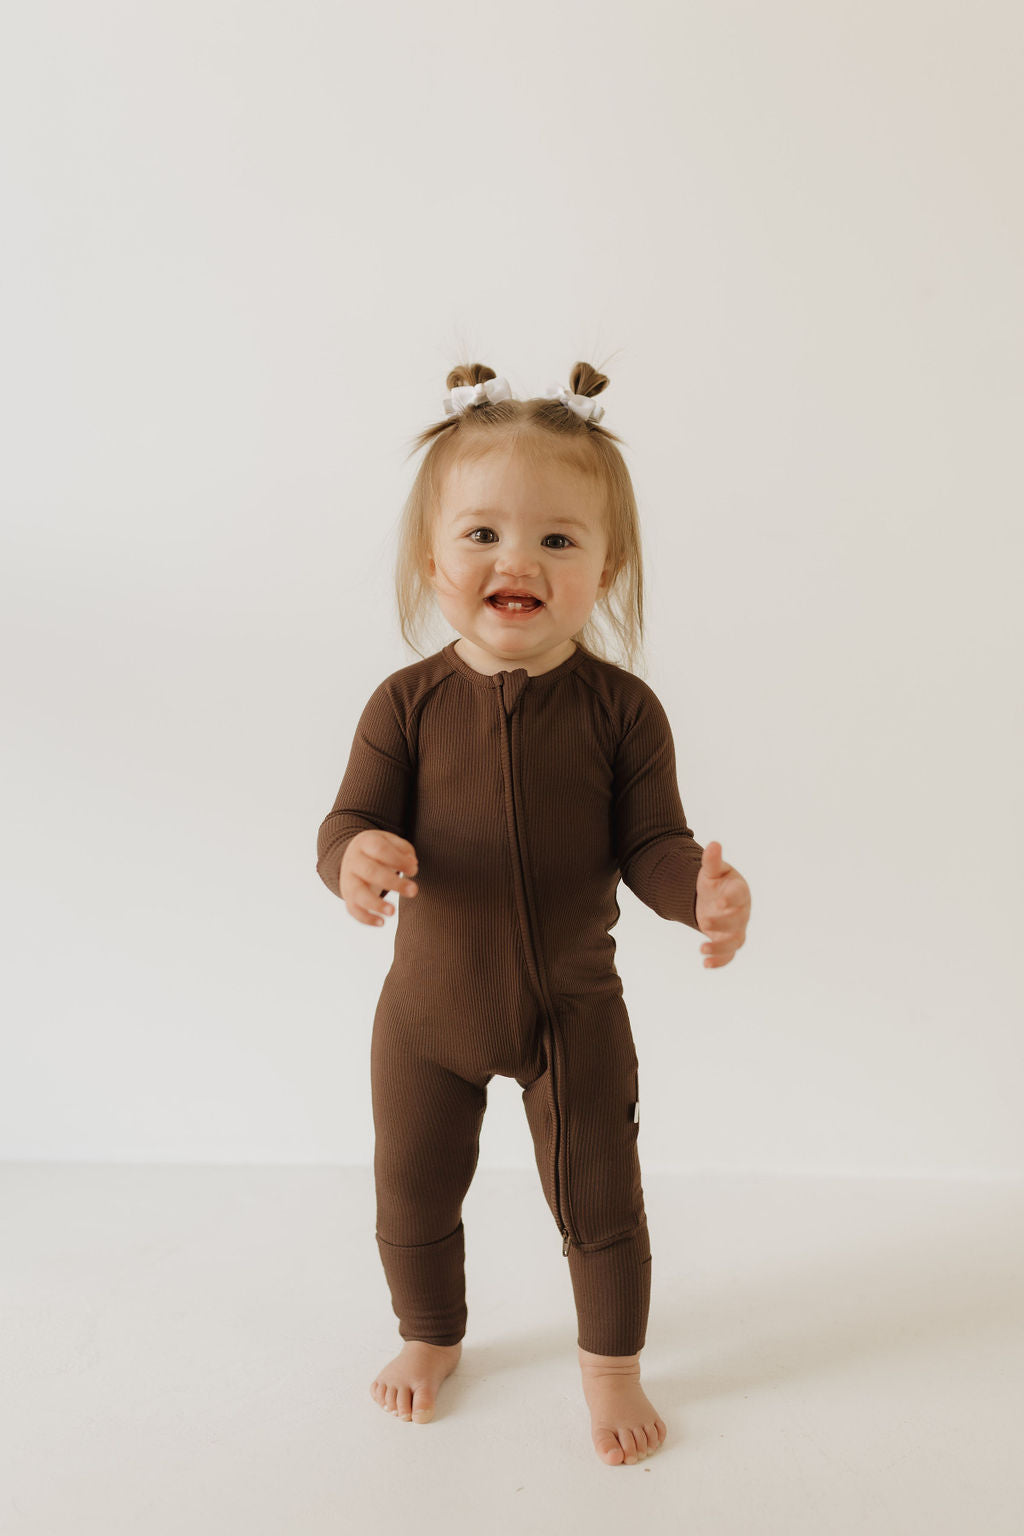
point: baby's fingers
(718, 953)
(366, 899)
(365, 905)
(391, 879)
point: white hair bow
(464, 395)
(583, 405)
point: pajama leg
(583, 1118)
(427, 1123)
(622, 1272)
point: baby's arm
(375, 790)
(658, 855)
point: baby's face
(503, 524)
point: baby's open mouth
(515, 602)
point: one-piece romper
(525, 799)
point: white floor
(190, 1350)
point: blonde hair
(541, 429)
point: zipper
(562, 1220)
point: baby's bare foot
(623, 1423)
(408, 1384)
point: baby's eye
(566, 542)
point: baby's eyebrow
(568, 522)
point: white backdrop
(243, 245)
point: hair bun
(585, 380)
(469, 373)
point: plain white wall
(243, 245)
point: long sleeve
(658, 856)
(375, 790)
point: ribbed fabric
(525, 798)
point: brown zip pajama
(525, 799)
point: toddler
(501, 787)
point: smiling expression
(505, 524)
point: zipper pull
(565, 1246)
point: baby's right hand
(372, 861)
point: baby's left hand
(723, 906)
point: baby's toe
(422, 1405)
(629, 1449)
(608, 1448)
(403, 1403)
